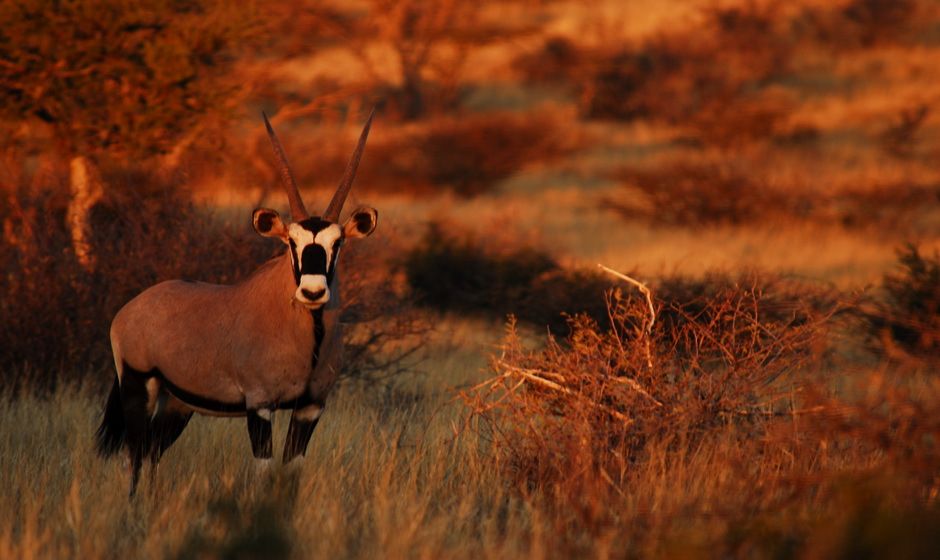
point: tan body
(206, 326)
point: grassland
(761, 166)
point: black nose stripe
(313, 260)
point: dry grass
(698, 455)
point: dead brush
(577, 417)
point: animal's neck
(271, 288)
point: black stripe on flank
(190, 399)
(212, 405)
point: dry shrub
(842, 27)
(673, 77)
(469, 154)
(724, 192)
(55, 315)
(900, 138)
(584, 412)
(728, 80)
(728, 441)
(699, 194)
(721, 305)
(899, 207)
(456, 272)
(384, 332)
(907, 322)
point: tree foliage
(122, 76)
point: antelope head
(314, 242)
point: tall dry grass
(743, 438)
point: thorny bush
(723, 413)
(580, 409)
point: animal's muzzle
(313, 290)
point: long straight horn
(336, 205)
(297, 210)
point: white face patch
(327, 237)
(301, 236)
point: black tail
(110, 435)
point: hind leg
(137, 398)
(169, 420)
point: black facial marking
(314, 260)
(295, 262)
(314, 224)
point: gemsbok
(273, 341)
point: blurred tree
(429, 42)
(129, 79)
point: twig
(635, 385)
(649, 301)
(559, 378)
(522, 372)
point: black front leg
(259, 431)
(302, 423)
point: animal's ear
(361, 223)
(268, 223)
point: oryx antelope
(271, 342)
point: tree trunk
(85, 190)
